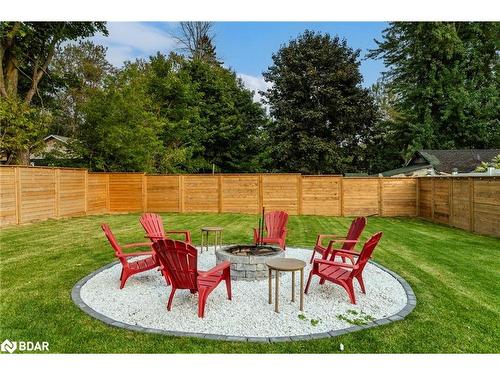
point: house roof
(403, 170)
(464, 160)
(58, 137)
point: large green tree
(26, 51)
(445, 77)
(321, 113)
(210, 117)
(119, 131)
(229, 117)
(176, 100)
(384, 149)
(76, 72)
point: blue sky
(245, 47)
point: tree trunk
(24, 158)
(11, 76)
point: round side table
(285, 265)
(204, 236)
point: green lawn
(455, 276)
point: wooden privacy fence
(35, 193)
(471, 203)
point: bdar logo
(8, 346)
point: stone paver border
(410, 305)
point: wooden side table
(204, 236)
(285, 265)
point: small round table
(218, 235)
(285, 265)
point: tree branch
(38, 72)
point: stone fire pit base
(247, 267)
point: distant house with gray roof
(442, 162)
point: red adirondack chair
(275, 225)
(343, 274)
(130, 268)
(348, 242)
(178, 262)
(153, 225)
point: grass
(455, 276)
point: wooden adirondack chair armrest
(137, 254)
(154, 237)
(350, 252)
(330, 244)
(137, 244)
(218, 268)
(332, 263)
(320, 237)
(176, 231)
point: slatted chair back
(355, 230)
(114, 244)
(365, 254)
(153, 225)
(179, 261)
(275, 223)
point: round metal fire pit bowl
(248, 262)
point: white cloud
(130, 40)
(255, 83)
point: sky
(245, 47)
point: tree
(21, 128)
(445, 76)
(26, 51)
(384, 149)
(321, 114)
(120, 131)
(209, 116)
(197, 40)
(229, 117)
(176, 99)
(78, 70)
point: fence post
(17, 178)
(417, 195)
(450, 201)
(181, 193)
(432, 198)
(57, 187)
(471, 204)
(261, 194)
(299, 194)
(144, 193)
(380, 203)
(341, 185)
(219, 187)
(86, 190)
(108, 198)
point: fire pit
(248, 262)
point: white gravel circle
(143, 302)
